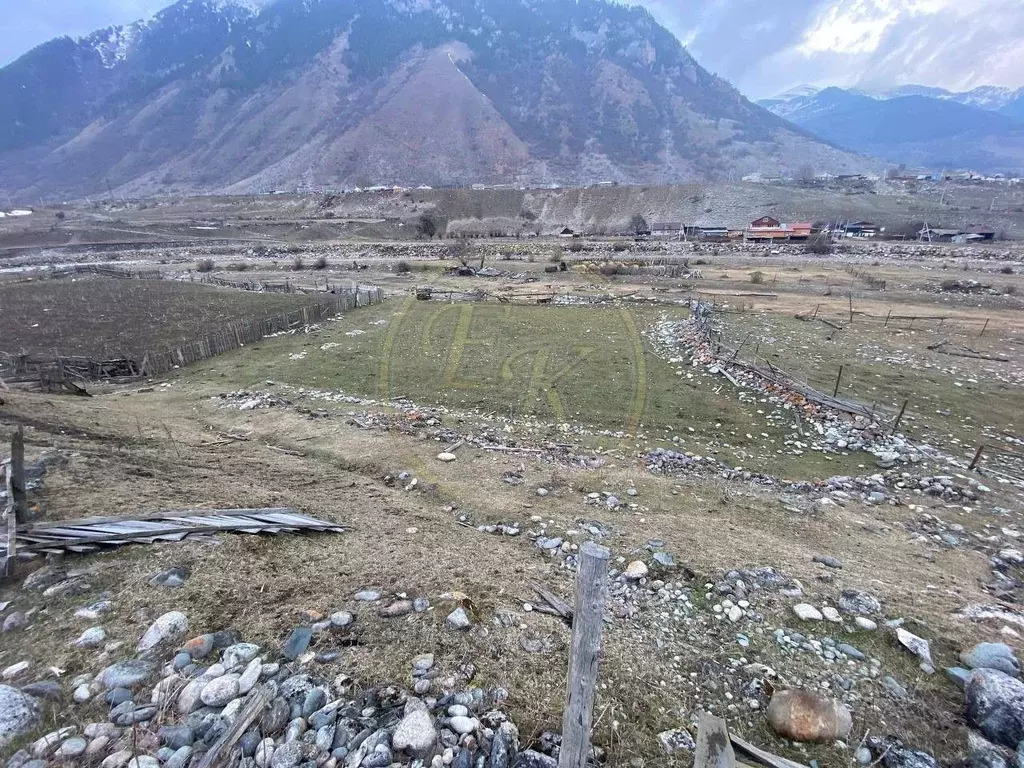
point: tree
(806, 172)
(638, 225)
(426, 227)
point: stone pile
(169, 713)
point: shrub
(238, 267)
(1010, 290)
(556, 257)
(620, 247)
(820, 247)
(1007, 270)
(320, 263)
(403, 268)
(575, 247)
(757, 278)
(298, 263)
(205, 265)
(59, 215)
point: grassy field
(541, 367)
(952, 401)
(107, 317)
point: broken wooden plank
(765, 758)
(252, 707)
(714, 750)
(556, 605)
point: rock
(116, 696)
(807, 612)
(863, 756)
(635, 570)
(180, 758)
(676, 740)
(176, 736)
(665, 559)
(958, 676)
(15, 621)
(219, 691)
(287, 755)
(238, 654)
(415, 733)
(117, 760)
(249, 677)
(166, 630)
(894, 689)
(462, 724)
(992, 656)
(458, 619)
(828, 561)
(342, 619)
(71, 748)
(897, 756)
(173, 578)
(276, 718)
(396, 609)
(859, 603)
(91, 638)
(143, 761)
(995, 706)
(82, 694)
(43, 689)
(805, 716)
(15, 670)
(866, 624)
(314, 699)
(850, 651)
(831, 614)
(916, 645)
(189, 700)
(735, 613)
(128, 713)
(367, 596)
(199, 647)
(421, 605)
(264, 753)
(446, 457)
(297, 643)
(126, 674)
(180, 661)
(532, 759)
(984, 758)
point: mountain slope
(211, 96)
(918, 130)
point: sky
(763, 47)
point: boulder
(805, 716)
(992, 656)
(19, 714)
(167, 629)
(995, 706)
(126, 674)
(415, 733)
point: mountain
(245, 97)
(917, 129)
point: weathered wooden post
(839, 376)
(16, 507)
(588, 621)
(983, 328)
(887, 316)
(977, 456)
(899, 418)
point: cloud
(766, 48)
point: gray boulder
(992, 656)
(995, 706)
(19, 714)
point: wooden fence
(51, 370)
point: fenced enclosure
(56, 371)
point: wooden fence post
(588, 622)
(839, 377)
(16, 507)
(977, 456)
(896, 424)
(983, 328)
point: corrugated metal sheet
(93, 533)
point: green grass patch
(545, 365)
